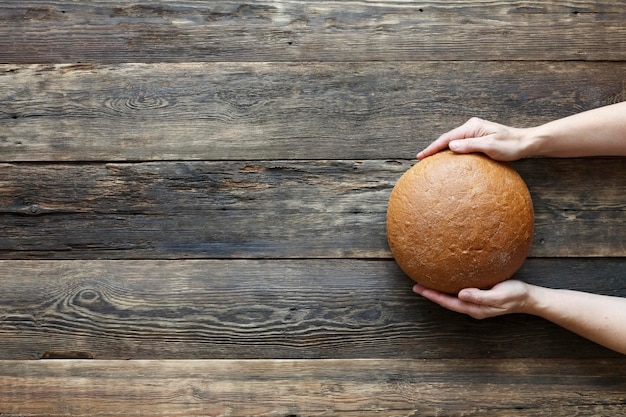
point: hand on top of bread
(497, 141)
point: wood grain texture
(174, 31)
(276, 209)
(516, 387)
(250, 111)
(247, 309)
(262, 139)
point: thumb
(472, 295)
(465, 145)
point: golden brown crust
(456, 221)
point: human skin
(598, 132)
(596, 317)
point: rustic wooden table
(193, 196)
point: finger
(464, 145)
(474, 296)
(503, 297)
(449, 301)
(466, 130)
(484, 144)
(455, 304)
(436, 146)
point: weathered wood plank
(279, 209)
(519, 387)
(270, 309)
(118, 31)
(247, 111)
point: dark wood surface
(297, 31)
(273, 209)
(193, 198)
(518, 387)
(248, 111)
(303, 309)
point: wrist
(536, 300)
(534, 142)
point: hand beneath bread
(509, 296)
(599, 318)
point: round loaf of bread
(457, 221)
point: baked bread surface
(456, 221)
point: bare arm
(599, 318)
(597, 132)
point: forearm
(599, 318)
(598, 132)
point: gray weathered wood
(270, 309)
(248, 111)
(274, 30)
(226, 131)
(277, 209)
(515, 387)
